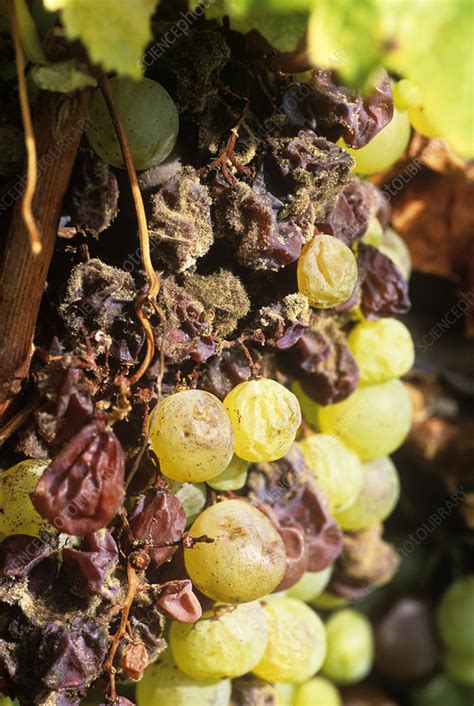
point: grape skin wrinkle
(327, 271)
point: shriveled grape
(349, 647)
(327, 271)
(17, 513)
(383, 349)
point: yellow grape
(317, 692)
(310, 585)
(350, 647)
(373, 421)
(17, 514)
(308, 407)
(191, 434)
(383, 349)
(284, 694)
(406, 94)
(296, 645)
(228, 641)
(327, 271)
(328, 601)
(422, 123)
(247, 558)
(265, 417)
(337, 469)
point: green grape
(385, 148)
(378, 496)
(265, 417)
(296, 644)
(382, 349)
(406, 94)
(17, 514)
(233, 478)
(317, 692)
(394, 247)
(337, 469)
(374, 233)
(350, 648)
(308, 407)
(163, 684)
(228, 641)
(246, 560)
(439, 692)
(421, 122)
(459, 667)
(310, 585)
(327, 271)
(191, 435)
(329, 601)
(192, 496)
(150, 119)
(455, 616)
(373, 421)
(284, 694)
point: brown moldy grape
(384, 290)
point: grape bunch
(197, 537)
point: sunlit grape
(349, 647)
(265, 417)
(17, 514)
(310, 585)
(296, 644)
(327, 271)
(191, 434)
(373, 421)
(406, 94)
(422, 123)
(163, 684)
(337, 469)
(383, 349)
(394, 247)
(377, 498)
(284, 694)
(234, 476)
(150, 119)
(317, 692)
(228, 641)
(374, 233)
(192, 496)
(247, 558)
(455, 616)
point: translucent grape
(382, 349)
(455, 616)
(17, 514)
(296, 642)
(310, 585)
(394, 247)
(163, 684)
(377, 498)
(150, 119)
(192, 496)
(191, 434)
(228, 641)
(459, 667)
(284, 694)
(421, 122)
(327, 271)
(406, 94)
(247, 559)
(350, 647)
(329, 601)
(337, 469)
(234, 476)
(385, 148)
(308, 407)
(374, 233)
(373, 421)
(317, 692)
(265, 417)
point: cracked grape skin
(246, 560)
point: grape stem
(30, 144)
(228, 154)
(18, 419)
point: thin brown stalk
(17, 420)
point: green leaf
(115, 32)
(63, 77)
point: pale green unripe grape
(284, 694)
(17, 514)
(149, 116)
(327, 271)
(382, 349)
(191, 435)
(329, 601)
(394, 247)
(308, 407)
(378, 496)
(374, 420)
(459, 667)
(422, 123)
(310, 585)
(192, 496)
(163, 684)
(265, 417)
(296, 645)
(374, 233)
(317, 692)
(228, 641)
(455, 616)
(336, 468)
(406, 94)
(233, 478)
(439, 691)
(350, 647)
(246, 560)
(385, 148)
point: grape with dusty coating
(247, 558)
(17, 513)
(327, 271)
(337, 469)
(310, 585)
(228, 641)
(234, 476)
(382, 349)
(150, 119)
(455, 616)
(265, 417)
(350, 647)
(191, 434)
(296, 645)
(317, 692)
(377, 498)
(373, 421)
